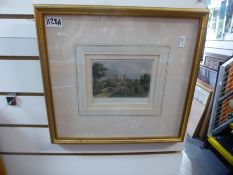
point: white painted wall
(29, 110)
(25, 6)
(18, 38)
(20, 76)
(94, 165)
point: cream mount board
(119, 74)
(155, 57)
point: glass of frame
(119, 74)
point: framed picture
(203, 92)
(129, 81)
(208, 72)
(208, 75)
(212, 61)
(199, 116)
(119, 74)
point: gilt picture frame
(119, 74)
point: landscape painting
(121, 78)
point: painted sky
(133, 69)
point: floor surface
(197, 161)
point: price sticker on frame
(53, 21)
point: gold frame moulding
(41, 10)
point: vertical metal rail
(220, 116)
(218, 88)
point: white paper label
(53, 21)
(182, 41)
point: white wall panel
(20, 76)
(26, 7)
(29, 110)
(16, 7)
(157, 164)
(37, 140)
(25, 28)
(150, 3)
(18, 47)
(219, 51)
(219, 44)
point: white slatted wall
(25, 145)
(219, 47)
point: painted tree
(145, 82)
(98, 72)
